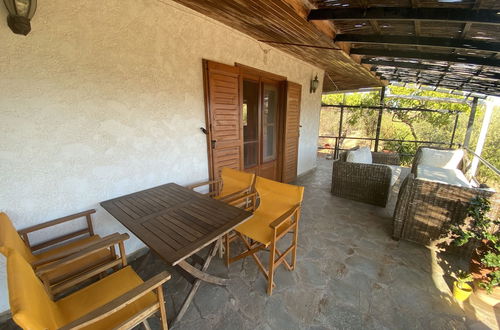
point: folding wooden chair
(119, 301)
(233, 187)
(231, 184)
(59, 279)
(278, 214)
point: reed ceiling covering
(449, 44)
(283, 24)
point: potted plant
(461, 289)
(481, 231)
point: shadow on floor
(350, 275)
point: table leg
(200, 276)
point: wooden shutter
(291, 131)
(223, 115)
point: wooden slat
(191, 221)
(165, 234)
(482, 16)
(188, 228)
(182, 224)
(291, 132)
(183, 236)
(225, 144)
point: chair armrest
(387, 158)
(240, 197)
(119, 302)
(76, 249)
(100, 245)
(345, 171)
(55, 222)
(243, 193)
(285, 216)
(90, 230)
(201, 184)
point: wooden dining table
(176, 223)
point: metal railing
(337, 149)
(484, 162)
(381, 108)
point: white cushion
(362, 155)
(441, 158)
(395, 173)
(442, 175)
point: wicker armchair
(424, 209)
(368, 183)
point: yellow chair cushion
(97, 294)
(276, 198)
(30, 305)
(10, 239)
(234, 181)
(33, 309)
(74, 268)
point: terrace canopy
(442, 43)
(450, 44)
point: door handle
(203, 129)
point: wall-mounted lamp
(20, 13)
(314, 85)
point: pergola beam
(376, 64)
(473, 89)
(467, 82)
(482, 16)
(426, 56)
(418, 41)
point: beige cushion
(442, 175)
(395, 173)
(441, 158)
(362, 155)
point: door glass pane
(270, 108)
(250, 118)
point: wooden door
(291, 132)
(223, 117)
(270, 108)
(261, 107)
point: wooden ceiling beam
(473, 89)
(435, 42)
(482, 16)
(475, 60)
(390, 76)
(429, 68)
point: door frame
(250, 73)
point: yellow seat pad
(74, 268)
(275, 200)
(258, 229)
(95, 295)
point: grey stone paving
(350, 275)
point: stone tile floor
(350, 275)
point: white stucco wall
(104, 98)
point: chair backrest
(30, 305)
(234, 181)
(276, 197)
(418, 155)
(10, 239)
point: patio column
(482, 137)
(379, 120)
(470, 124)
